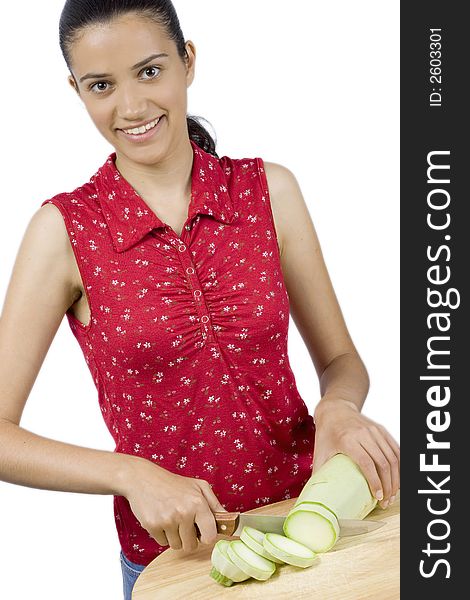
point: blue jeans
(130, 572)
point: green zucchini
(338, 490)
(254, 538)
(289, 551)
(249, 561)
(224, 571)
(312, 525)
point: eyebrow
(136, 66)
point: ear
(73, 83)
(190, 61)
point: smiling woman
(121, 30)
(177, 271)
(140, 88)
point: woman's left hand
(341, 427)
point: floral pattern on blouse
(187, 340)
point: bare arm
(313, 303)
(40, 291)
(344, 381)
(34, 461)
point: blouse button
(182, 248)
(197, 293)
(189, 270)
(204, 318)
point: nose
(131, 105)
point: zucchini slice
(254, 538)
(312, 525)
(224, 571)
(250, 562)
(289, 551)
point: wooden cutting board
(361, 567)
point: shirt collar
(129, 218)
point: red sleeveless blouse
(187, 341)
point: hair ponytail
(200, 135)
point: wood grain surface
(361, 567)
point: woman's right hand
(168, 505)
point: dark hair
(78, 14)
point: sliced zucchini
(249, 561)
(224, 571)
(289, 551)
(253, 538)
(312, 525)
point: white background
(310, 85)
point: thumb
(211, 498)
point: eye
(100, 90)
(152, 67)
(91, 87)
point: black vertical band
(435, 346)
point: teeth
(143, 129)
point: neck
(167, 180)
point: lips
(142, 138)
(139, 124)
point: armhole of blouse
(69, 228)
(267, 201)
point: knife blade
(232, 523)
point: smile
(143, 129)
(140, 135)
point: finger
(210, 497)
(160, 537)
(206, 524)
(368, 468)
(392, 458)
(187, 533)
(382, 465)
(393, 443)
(173, 537)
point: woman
(173, 267)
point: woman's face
(118, 94)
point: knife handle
(226, 522)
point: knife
(232, 523)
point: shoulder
(280, 178)
(48, 229)
(47, 239)
(47, 225)
(43, 265)
(287, 202)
